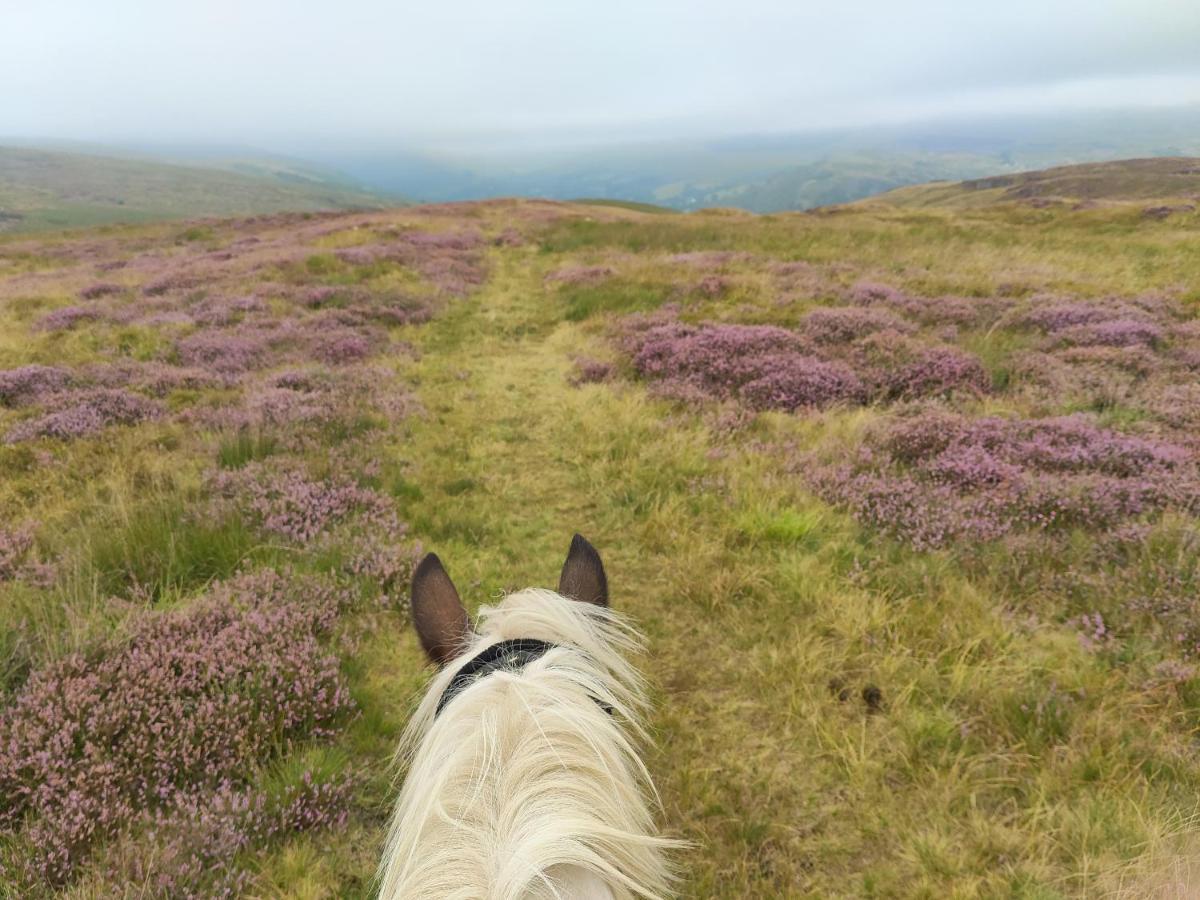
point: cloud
(279, 70)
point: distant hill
(1123, 181)
(46, 189)
(845, 179)
(775, 172)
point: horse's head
(523, 771)
(442, 622)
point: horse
(524, 779)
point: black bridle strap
(508, 656)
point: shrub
(224, 352)
(842, 324)
(95, 740)
(936, 478)
(1057, 316)
(14, 544)
(174, 281)
(196, 847)
(29, 384)
(964, 311)
(1112, 333)
(339, 347)
(285, 502)
(65, 317)
(768, 367)
(591, 371)
(100, 289)
(79, 413)
(938, 370)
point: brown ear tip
(580, 544)
(429, 564)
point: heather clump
(173, 281)
(843, 324)
(100, 289)
(285, 502)
(339, 347)
(221, 310)
(965, 312)
(198, 846)
(938, 478)
(1112, 333)
(1101, 323)
(937, 371)
(773, 368)
(579, 274)
(452, 262)
(28, 384)
(224, 352)
(768, 367)
(96, 740)
(15, 543)
(592, 371)
(155, 378)
(78, 413)
(65, 317)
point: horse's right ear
(441, 621)
(583, 575)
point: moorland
(903, 495)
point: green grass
(584, 301)
(45, 190)
(1001, 759)
(244, 447)
(626, 204)
(162, 550)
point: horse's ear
(582, 575)
(441, 621)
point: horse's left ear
(582, 575)
(441, 621)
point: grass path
(511, 461)
(785, 788)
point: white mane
(524, 786)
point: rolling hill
(46, 189)
(772, 172)
(1169, 179)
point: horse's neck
(576, 883)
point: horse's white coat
(524, 787)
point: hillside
(905, 501)
(776, 172)
(1123, 181)
(46, 189)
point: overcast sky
(460, 72)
